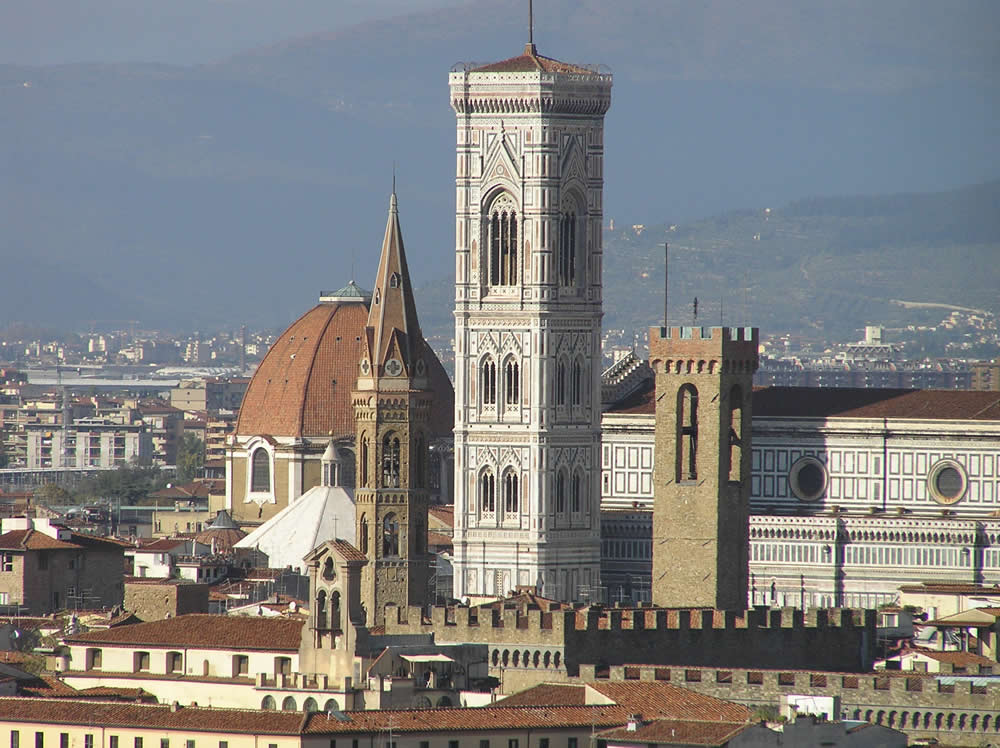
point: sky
(182, 32)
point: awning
(427, 658)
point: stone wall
(966, 712)
(154, 601)
(821, 639)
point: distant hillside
(235, 191)
(827, 265)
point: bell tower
(701, 475)
(529, 187)
(392, 406)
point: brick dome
(303, 386)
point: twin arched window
(576, 384)
(560, 492)
(260, 472)
(390, 535)
(487, 493)
(511, 502)
(363, 459)
(364, 534)
(567, 249)
(512, 383)
(488, 382)
(502, 241)
(560, 383)
(687, 433)
(390, 461)
(574, 495)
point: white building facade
(853, 494)
(529, 187)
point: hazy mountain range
(235, 190)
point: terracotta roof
(303, 385)
(962, 659)
(548, 694)
(202, 630)
(670, 701)
(32, 540)
(954, 588)
(848, 402)
(640, 402)
(35, 540)
(443, 514)
(530, 61)
(348, 551)
(830, 402)
(438, 540)
(471, 719)
(73, 711)
(678, 732)
(48, 686)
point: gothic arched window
(260, 475)
(735, 433)
(510, 493)
(364, 461)
(487, 493)
(576, 384)
(512, 383)
(502, 241)
(560, 383)
(560, 492)
(488, 381)
(575, 493)
(687, 433)
(321, 609)
(390, 461)
(420, 462)
(364, 534)
(567, 248)
(390, 535)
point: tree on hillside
(190, 458)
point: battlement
(730, 344)
(837, 638)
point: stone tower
(530, 152)
(704, 386)
(392, 406)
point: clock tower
(529, 187)
(392, 406)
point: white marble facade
(844, 510)
(527, 326)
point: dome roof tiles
(303, 386)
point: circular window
(807, 478)
(947, 482)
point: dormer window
(394, 280)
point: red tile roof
(348, 551)
(548, 694)
(35, 540)
(670, 701)
(303, 385)
(202, 630)
(73, 711)
(471, 719)
(678, 732)
(823, 402)
(530, 61)
(961, 659)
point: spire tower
(392, 406)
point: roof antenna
(393, 177)
(531, 23)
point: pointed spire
(392, 315)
